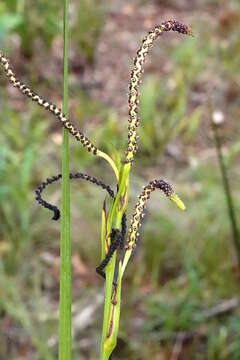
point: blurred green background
(181, 296)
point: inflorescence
(133, 98)
(53, 179)
(52, 108)
(116, 236)
(138, 214)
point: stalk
(65, 338)
(227, 191)
(108, 341)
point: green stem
(114, 220)
(65, 338)
(226, 186)
(113, 320)
(107, 304)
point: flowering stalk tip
(136, 74)
(138, 214)
(174, 197)
(56, 111)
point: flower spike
(133, 98)
(141, 205)
(56, 111)
(48, 181)
(24, 89)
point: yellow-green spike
(174, 197)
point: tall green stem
(65, 338)
(226, 186)
(108, 342)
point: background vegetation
(181, 299)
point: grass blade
(227, 191)
(65, 338)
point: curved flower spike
(48, 181)
(133, 97)
(141, 204)
(56, 111)
(139, 213)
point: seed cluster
(133, 98)
(53, 179)
(53, 109)
(140, 207)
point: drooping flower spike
(53, 179)
(138, 214)
(141, 205)
(133, 97)
(56, 111)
